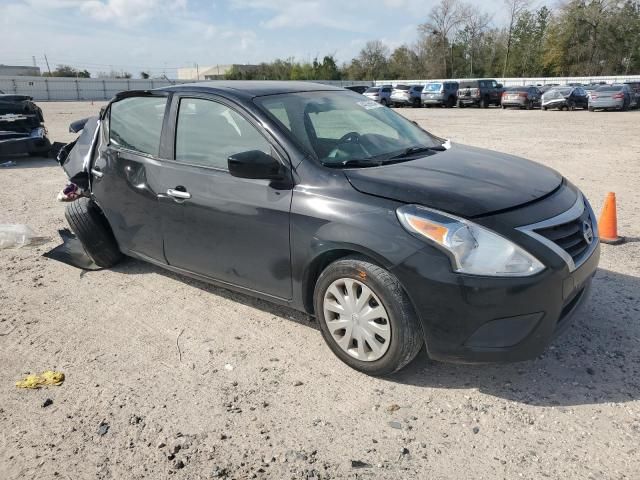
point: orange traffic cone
(608, 223)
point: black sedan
(317, 198)
(565, 98)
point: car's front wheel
(366, 317)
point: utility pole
(197, 72)
(47, 62)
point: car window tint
(278, 110)
(208, 133)
(136, 123)
(334, 123)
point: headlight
(473, 249)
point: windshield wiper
(414, 150)
(354, 162)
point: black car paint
(277, 238)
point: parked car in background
(358, 88)
(308, 196)
(406, 95)
(381, 95)
(611, 97)
(547, 87)
(440, 93)
(481, 93)
(590, 88)
(635, 90)
(521, 97)
(565, 98)
(22, 127)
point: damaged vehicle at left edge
(22, 129)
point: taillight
(593, 95)
(618, 96)
(522, 94)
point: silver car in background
(381, 94)
(406, 95)
(612, 97)
(440, 93)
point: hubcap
(357, 320)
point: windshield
(612, 88)
(433, 87)
(339, 128)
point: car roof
(250, 88)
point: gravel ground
(167, 377)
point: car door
(126, 172)
(230, 229)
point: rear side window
(386, 90)
(208, 133)
(136, 123)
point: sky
(160, 36)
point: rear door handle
(97, 173)
(179, 194)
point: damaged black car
(22, 129)
(316, 198)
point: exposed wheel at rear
(366, 317)
(92, 229)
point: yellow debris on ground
(45, 378)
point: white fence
(61, 89)
(512, 82)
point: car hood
(463, 180)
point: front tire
(92, 229)
(365, 316)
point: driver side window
(208, 133)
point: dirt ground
(253, 392)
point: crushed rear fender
(75, 157)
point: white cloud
(335, 14)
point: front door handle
(97, 173)
(179, 194)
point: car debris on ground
(22, 127)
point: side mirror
(254, 164)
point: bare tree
(474, 27)
(514, 8)
(442, 22)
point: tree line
(459, 40)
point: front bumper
(35, 142)
(482, 319)
(474, 319)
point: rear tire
(92, 229)
(383, 102)
(404, 333)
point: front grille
(570, 236)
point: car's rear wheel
(366, 317)
(92, 229)
(383, 102)
(417, 103)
